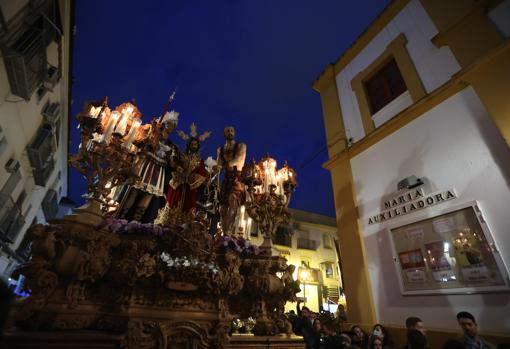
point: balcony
(42, 147)
(42, 175)
(25, 62)
(11, 219)
(50, 204)
(24, 47)
(307, 244)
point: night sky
(249, 64)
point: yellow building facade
(423, 93)
(309, 242)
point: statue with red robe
(189, 176)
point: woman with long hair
(380, 331)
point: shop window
(384, 86)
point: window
(25, 246)
(282, 237)
(326, 240)
(25, 62)
(328, 269)
(384, 86)
(41, 149)
(11, 183)
(305, 262)
(11, 219)
(306, 244)
(50, 204)
(387, 77)
(21, 199)
(42, 175)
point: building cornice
(456, 84)
(363, 40)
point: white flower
(164, 256)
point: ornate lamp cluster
(106, 152)
(268, 194)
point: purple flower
(242, 243)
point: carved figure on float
(189, 175)
(231, 157)
(155, 161)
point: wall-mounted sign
(409, 202)
(450, 252)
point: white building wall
(454, 145)
(500, 15)
(434, 65)
(20, 120)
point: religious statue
(231, 157)
(156, 156)
(189, 175)
(290, 286)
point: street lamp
(303, 275)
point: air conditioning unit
(25, 61)
(12, 165)
(42, 147)
(51, 112)
(50, 204)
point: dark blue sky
(244, 63)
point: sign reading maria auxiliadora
(409, 202)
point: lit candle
(248, 227)
(266, 180)
(242, 229)
(241, 214)
(132, 133)
(94, 111)
(122, 125)
(114, 117)
(128, 111)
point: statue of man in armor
(231, 157)
(142, 200)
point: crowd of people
(324, 331)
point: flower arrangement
(240, 245)
(124, 227)
(188, 262)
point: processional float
(176, 284)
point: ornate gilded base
(262, 342)
(105, 340)
(147, 286)
(172, 216)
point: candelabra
(268, 193)
(106, 153)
